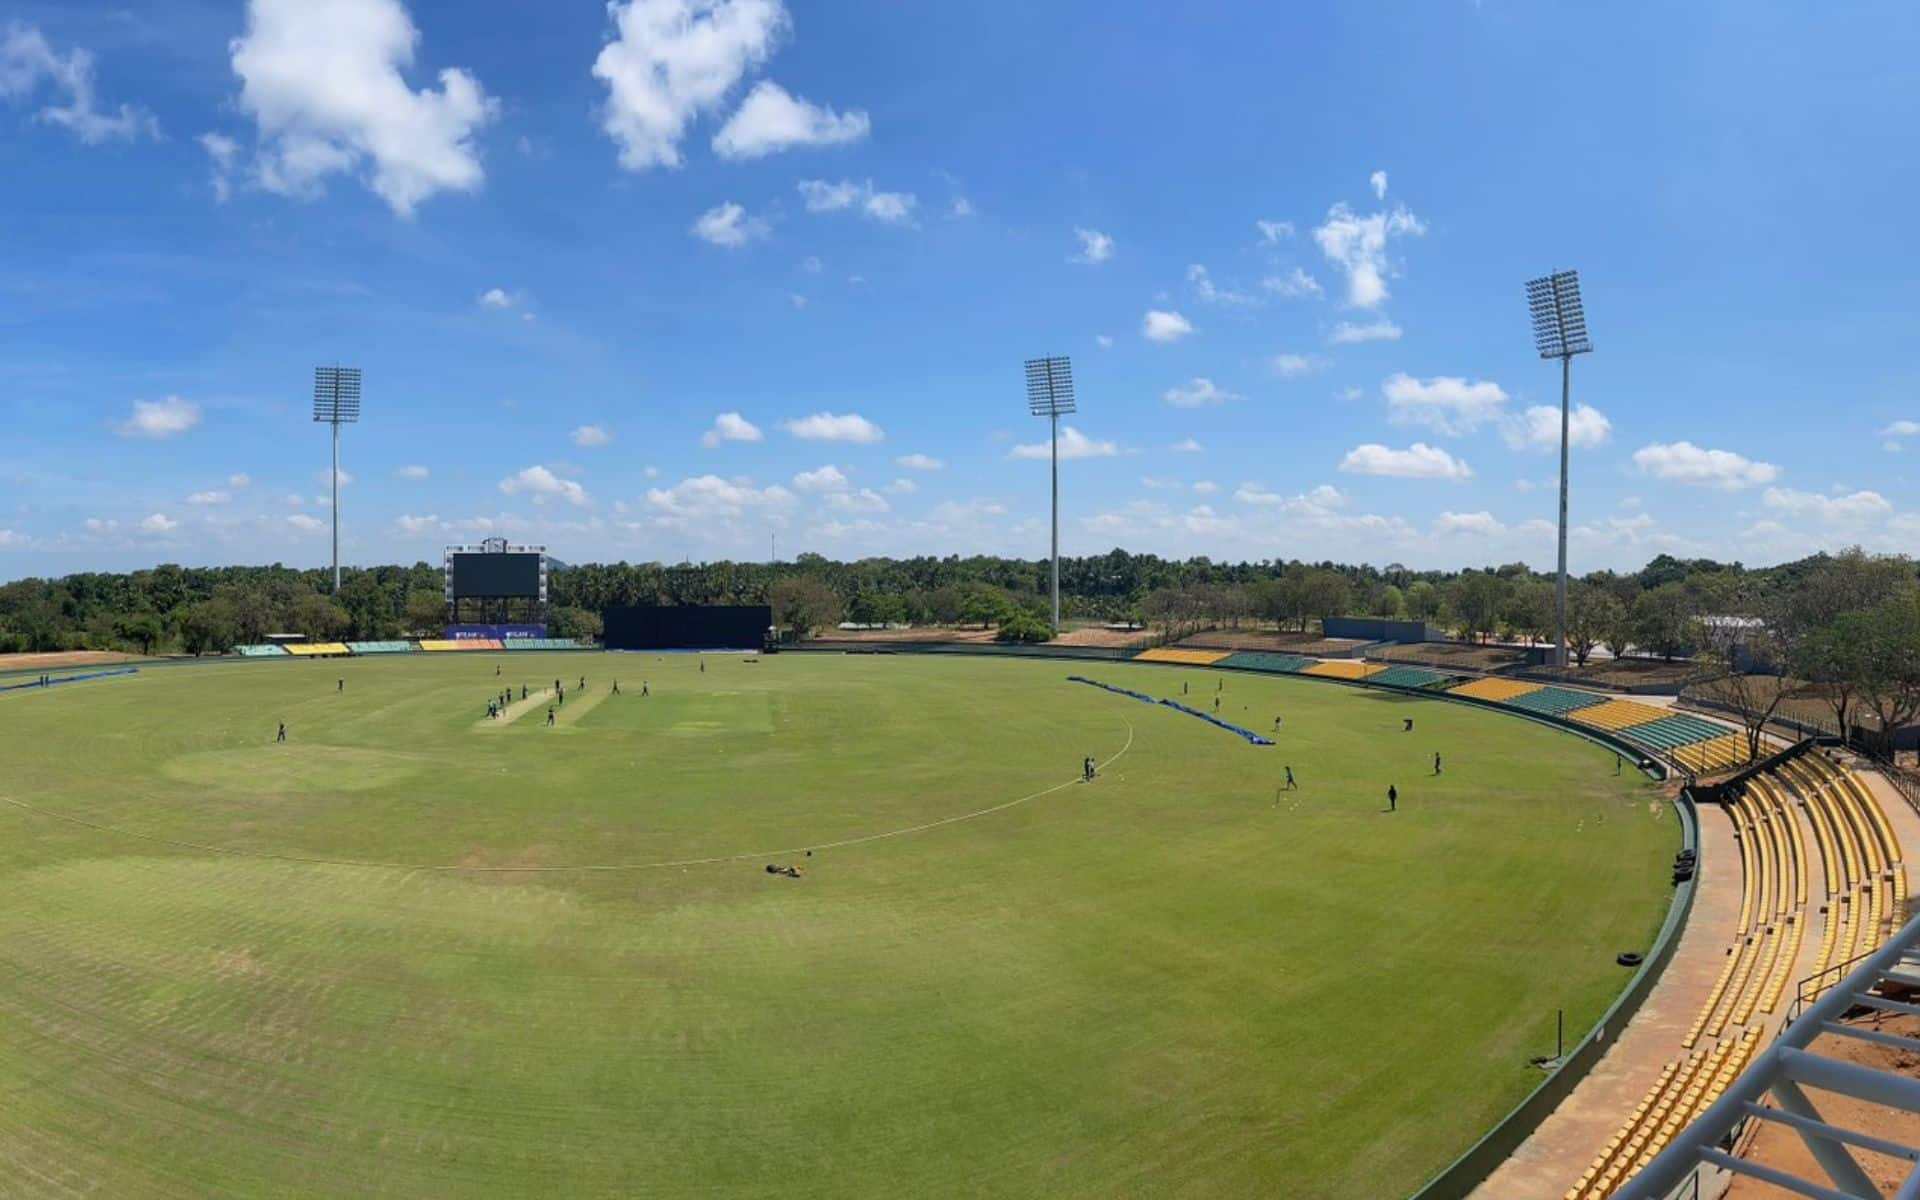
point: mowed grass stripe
(1170, 981)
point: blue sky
(659, 279)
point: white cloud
(728, 225)
(96, 525)
(1539, 428)
(671, 60)
(796, 299)
(1186, 446)
(1272, 232)
(542, 484)
(1291, 366)
(831, 427)
(1418, 461)
(293, 500)
(1162, 326)
(323, 83)
(1321, 501)
(1684, 462)
(324, 478)
(210, 497)
(866, 500)
(1294, 284)
(960, 209)
(919, 462)
(651, 472)
(1206, 487)
(771, 119)
(730, 427)
(1482, 523)
(159, 523)
(1073, 444)
(1196, 392)
(1445, 404)
(416, 525)
(712, 496)
(1358, 246)
(1103, 341)
(412, 472)
(1901, 429)
(1210, 292)
(825, 479)
(225, 152)
(891, 208)
(162, 418)
(811, 264)
(10, 539)
(1095, 247)
(1378, 182)
(27, 61)
(589, 436)
(305, 523)
(1347, 333)
(903, 487)
(498, 298)
(239, 479)
(1840, 507)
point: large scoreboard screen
(496, 575)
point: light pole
(1560, 331)
(336, 402)
(1050, 395)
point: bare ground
(63, 658)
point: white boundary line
(647, 866)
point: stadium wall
(1374, 629)
(686, 627)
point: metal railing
(1785, 1069)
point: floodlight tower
(1050, 395)
(336, 402)
(1560, 331)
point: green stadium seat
(1555, 701)
(1258, 660)
(541, 644)
(1410, 677)
(1670, 732)
(380, 647)
(265, 651)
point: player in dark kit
(283, 732)
(1393, 798)
(616, 687)
(549, 716)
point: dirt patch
(518, 866)
(1776, 1146)
(1267, 639)
(1108, 638)
(63, 658)
(925, 633)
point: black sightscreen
(687, 627)
(495, 575)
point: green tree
(1023, 627)
(1592, 615)
(1664, 620)
(803, 604)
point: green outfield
(414, 953)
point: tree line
(1848, 623)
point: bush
(1023, 627)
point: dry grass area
(1634, 672)
(1453, 654)
(62, 658)
(1117, 639)
(924, 633)
(1268, 639)
(1802, 702)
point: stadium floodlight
(336, 402)
(1050, 395)
(1560, 331)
